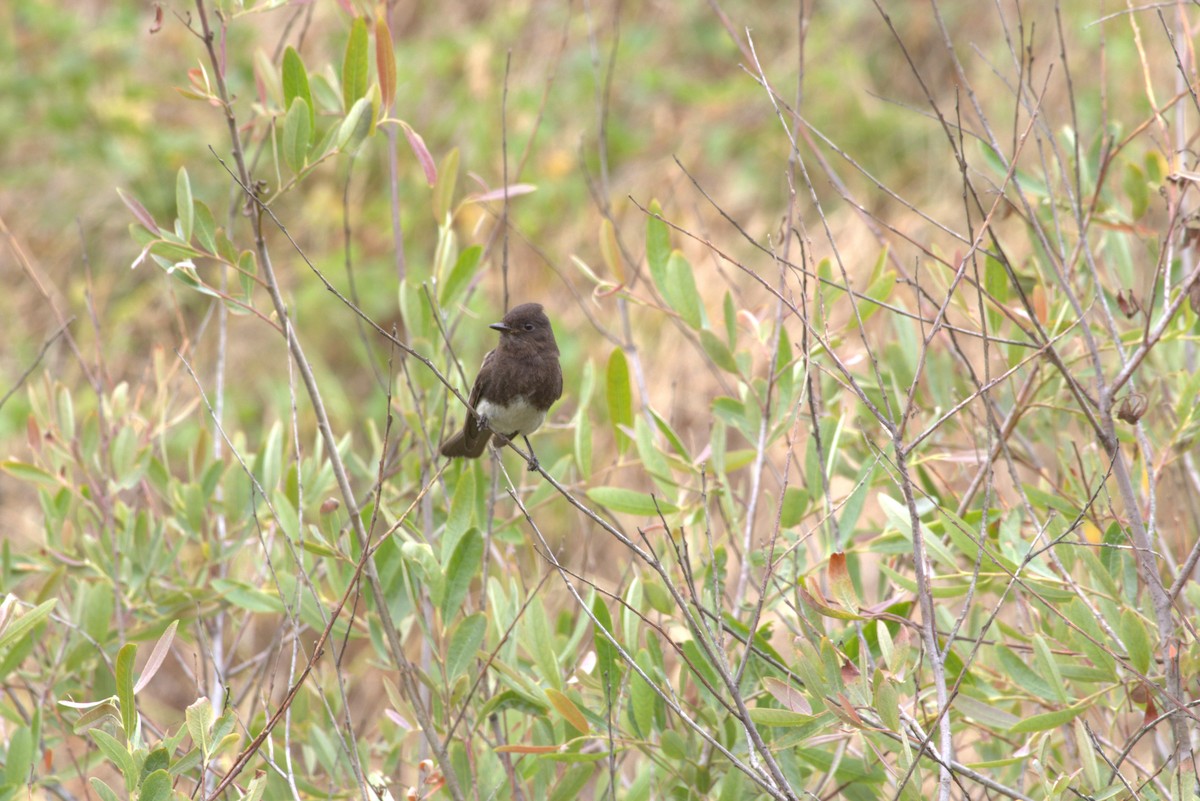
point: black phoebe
(517, 384)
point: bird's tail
(462, 445)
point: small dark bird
(517, 384)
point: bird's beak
(503, 327)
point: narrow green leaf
(1048, 720)
(606, 653)
(769, 716)
(1045, 660)
(124, 673)
(460, 275)
(297, 135)
(658, 245)
(881, 290)
(183, 203)
(443, 190)
(642, 698)
(1136, 640)
(673, 438)
(572, 783)
(117, 754)
(199, 716)
(620, 397)
(653, 460)
(355, 65)
(1024, 677)
(205, 226)
(718, 351)
(538, 637)
(682, 294)
(1087, 756)
(674, 747)
(19, 627)
(465, 563)
(295, 84)
(18, 761)
(1137, 189)
(630, 501)
(156, 787)
(583, 442)
(730, 314)
(355, 127)
(105, 792)
(465, 642)
(461, 515)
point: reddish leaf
(139, 212)
(158, 18)
(514, 190)
(421, 152)
(385, 61)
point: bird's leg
(533, 460)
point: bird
(518, 382)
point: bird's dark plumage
(517, 384)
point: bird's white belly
(518, 417)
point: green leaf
(18, 761)
(1022, 676)
(460, 275)
(33, 475)
(17, 628)
(105, 792)
(658, 244)
(653, 460)
(665, 429)
(183, 203)
(295, 84)
(718, 351)
(1136, 640)
(205, 226)
(769, 716)
(630, 501)
(681, 292)
(642, 697)
(443, 190)
(583, 442)
(572, 783)
(355, 126)
(156, 787)
(880, 289)
(1138, 189)
(199, 716)
(730, 314)
(1049, 666)
(117, 754)
(355, 65)
(297, 135)
(620, 397)
(1049, 720)
(674, 747)
(465, 642)
(464, 564)
(124, 671)
(607, 666)
(247, 597)
(538, 638)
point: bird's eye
(528, 326)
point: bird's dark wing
(477, 393)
